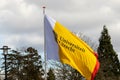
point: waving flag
(64, 46)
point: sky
(21, 21)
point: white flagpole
(45, 57)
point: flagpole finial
(44, 9)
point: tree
(26, 65)
(65, 72)
(110, 65)
(50, 74)
(88, 40)
(32, 65)
(13, 64)
(74, 75)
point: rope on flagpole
(45, 57)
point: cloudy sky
(21, 21)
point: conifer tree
(33, 65)
(110, 65)
(26, 65)
(50, 74)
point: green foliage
(110, 65)
(51, 75)
(26, 65)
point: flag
(62, 45)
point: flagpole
(45, 57)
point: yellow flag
(63, 45)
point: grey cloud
(25, 17)
(27, 40)
(14, 20)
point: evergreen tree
(51, 75)
(13, 65)
(110, 65)
(32, 67)
(26, 65)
